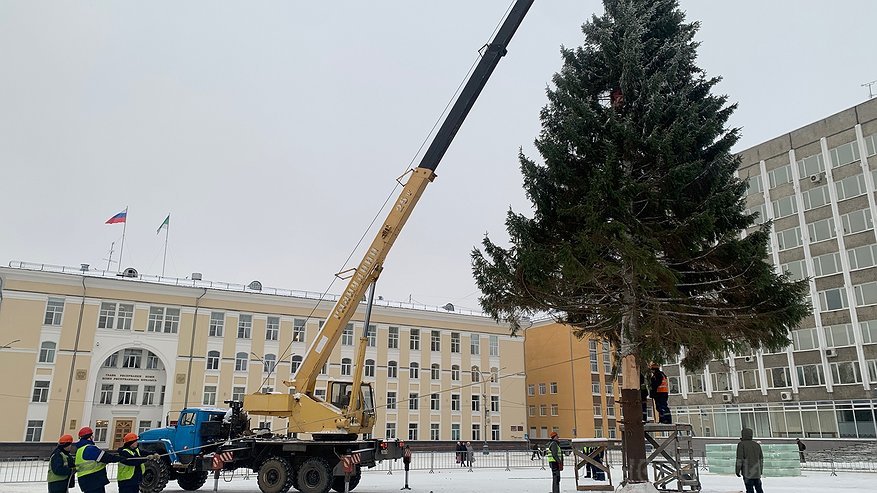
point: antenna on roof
(869, 84)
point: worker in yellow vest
(132, 467)
(61, 466)
(555, 462)
(91, 463)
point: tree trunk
(633, 438)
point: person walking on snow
(61, 466)
(749, 461)
(801, 449)
(132, 465)
(555, 462)
(91, 463)
(470, 453)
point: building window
(849, 187)
(846, 373)
(391, 430)
(237, 393)
(144, 426)
(542, 389)
(598, 410)
(148, 395)
(609, 390)
(217, 324)
(369, 368)
(754, 185)
(213, 360)
(494, 374)
(721, 382)
(372, 339)
(531, 410)
(494, 345)
(862, 257)
(132, 358)
(272, 328)
(674, 385)
(748, 379)
(790, 238)
(392, 369)
(209, 395)
(269, 362)
(780, 176)
(413, 401)
(414, 371)
(455, 373)
(245, 326)
(475, 345)
(54, 311)
(34, 431)
(434, 404)
(816, 197)
(811, 165)
(869, 331)
(435, 341)
(695, 382)
(455, 342)
(531, 389)
(152, 361)
(455, 431)
(298, 330)
(819, 231)
(779, 378)
(414, 340)
(393, 338)
(857, 221)
(866, 294)
(595, 388)
(127, 395)
(833, 299)
(47, 352)
(476, 374)
(295, 364)
(844, 154)
(240, 362)
(100, 430)
(553, 387)
(163, 319)
(494, 403)
(345, 366)
(412, 431)
(610, 407)
(40, 391)
(803, 339)
(543, 410)
(455, 402)
(434, 432)
(476, 431)
(796, 270)
(435, 372)
(106, 393)
(810, 375)
(391, 400)
(785, 206)
(347, 335)
(839, 335)
(828, 264)
(107, 316)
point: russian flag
(118, 218)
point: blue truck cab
(196, 428)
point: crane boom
(354, 419)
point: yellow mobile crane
(350, 407)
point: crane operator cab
(339, 396)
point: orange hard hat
(131, 437)
(553, 434)
(85, 431)
(65, 440)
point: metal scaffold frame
(674, 467)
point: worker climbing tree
(635, 232)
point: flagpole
(124, 228)
(167, 231)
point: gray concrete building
(817, 184)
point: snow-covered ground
(524, 480)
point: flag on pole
(118, 218)
(165, 224)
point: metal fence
(33, 470)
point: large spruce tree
(635, 234)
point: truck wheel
(192, 481)
(155, 476)
(338, 481)
(314, 476)
(275, 475)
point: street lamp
(8, 345)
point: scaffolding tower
(674, 467)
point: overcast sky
(274, 131)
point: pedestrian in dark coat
(61, 466)
(470, 453)
(801, 449)
(461, 454)
(750, 461)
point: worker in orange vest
(660, 390)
